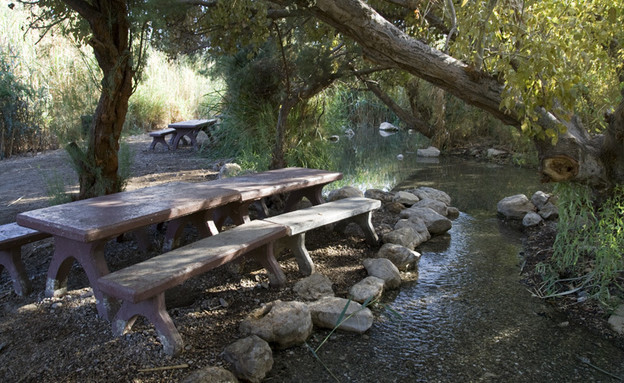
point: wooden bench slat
(303, 220)
(155, 275)
(12, 234)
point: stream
(467, 317)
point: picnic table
(81, 228)
(190, 129)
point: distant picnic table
(179, 131)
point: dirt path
(26, 179)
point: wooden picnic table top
(190, 124)
(111, 215)
(259, 185)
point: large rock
(402, 257)
(539, 199)
(344, 192)
(433, 204)
(404, 236)
(326, 313)
(429, 152)
(211, 375)
(314, 287)
(424, 192)
(436, 223)
(405, 198)
(515, 206)
(283, 323)
(368, 288)
(383, 268)
(549, 211)
(532, 219)
(250, 357)
(419, 228)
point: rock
(436, 223)
(405, 236)
(380, 195)
(539, 199)
(549, 211)
(429, 152)
(388, 127)
(250, 357)
(515, 206)
(326, 313)
(229, 170)
(210, 375)
(433, 204)
(367, 288)
(532, 219)
(283, 323)
(394, 207)
(452, 212)
(314, 287)
(419, 227)
(495, 152)
(424, 192)
(402, 257)
(616, 320)
(344, 192)
(383, 268)
(405, 198)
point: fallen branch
(163, 368)
(587, 362)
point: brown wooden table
(190, 129)
(81, 229)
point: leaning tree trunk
(109, 23)
(597, 161)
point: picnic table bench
(358, 210)
(142, 286)
(12, 237)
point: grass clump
(587, 257)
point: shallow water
(467, 317)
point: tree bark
(109, 23)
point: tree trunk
(597, 161)
(109, 23)
(278, 160)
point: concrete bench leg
(296, 244)
(365, 222)
(11, 260)
(313, 194)
(91, 257)
(201, 220)
(264, 256)
(155, 311)
(159, 140)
